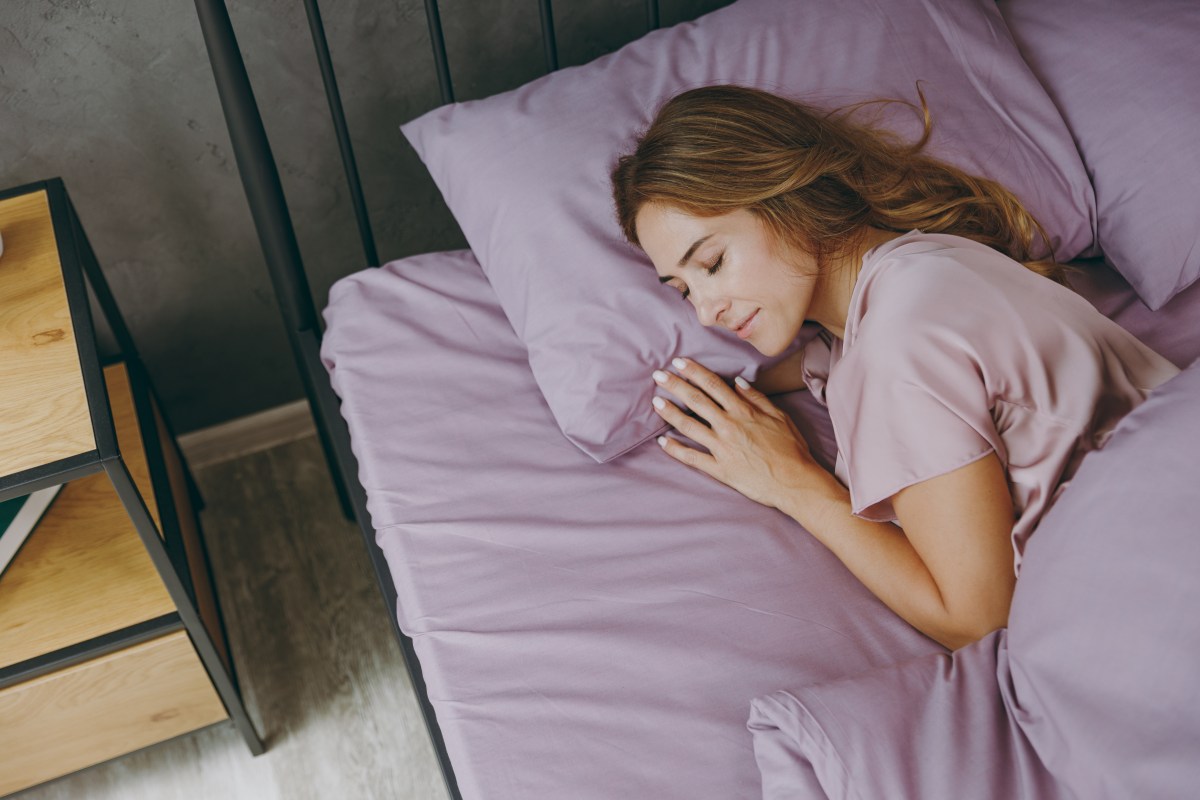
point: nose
(709, 310)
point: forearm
(755, 448)
(879, 555)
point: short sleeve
(815, 365)
(906, 409)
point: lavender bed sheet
(585, 630)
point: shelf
(84, 572)
(111, 636)
(103, 708)
(44, 413)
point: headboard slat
(256, 165)
(338, 115)
(439, 50)
(549, 42)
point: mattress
(587, 630)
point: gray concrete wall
(117, 98)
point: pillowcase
(526, 174)
(938, 727)
(1125, 77)
(1104, 634)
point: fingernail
(659, 403)
(662, 441)
(679, 363)
(741, 382)
(659, 376)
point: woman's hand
(753, 446)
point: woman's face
(732, 272)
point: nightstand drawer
(114, 704)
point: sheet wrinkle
(851, 791)
(401, 526)
(808, 726)
(466, 321)
(571, 720)
(764, 611)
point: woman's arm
(784, 376)
(949, 571)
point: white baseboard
(249, 434)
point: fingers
(688, 395)
(754, 396)
(707, 381)
(687, 455)
(690, 427)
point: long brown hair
(816, 179)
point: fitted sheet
(587, 630)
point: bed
(583, 618)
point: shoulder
(929, 291)
(932, 270)
(924, 322)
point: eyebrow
(686, 256)
(692, 249)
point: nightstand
(111, 637)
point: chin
(770, 349)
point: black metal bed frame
(260, 180)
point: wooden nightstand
(111, 636)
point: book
(18, 518)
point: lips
(746, 327)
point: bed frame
(260, 180)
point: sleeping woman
(965, 380)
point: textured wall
(117, 98)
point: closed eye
(679, 287)
(710, 270)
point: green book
(18, 518)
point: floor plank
(320, 669)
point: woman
(964, 379)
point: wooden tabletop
(43, 407)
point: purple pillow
(1104, 632)
(526, 174)
(938, 727)
(1126, 77)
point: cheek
(774, 277)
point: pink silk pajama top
(953, 350)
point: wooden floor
(320, 668)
